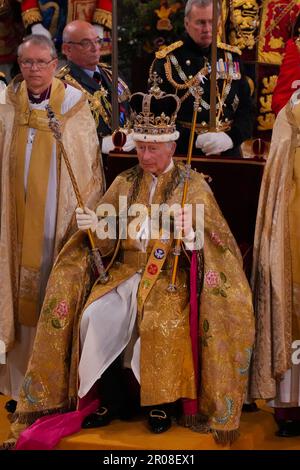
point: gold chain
(183, 86)
(188, 83)
(96, 106)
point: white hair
(201, 4)
(38, 40)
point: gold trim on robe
(80, 139)
(274, 263)
(226, 317)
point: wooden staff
(54, 125)
(213, 72)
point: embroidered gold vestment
(225, 316)
(81, 143)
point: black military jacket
(85, 82)
(185, 59)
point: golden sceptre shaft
(196, 91)
(55, 127)
(213, 72)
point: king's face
(155, 157)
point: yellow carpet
(4, 424)
(257, 433)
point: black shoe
(11, 406)
(159, 421)
(102, 417)
(250, 407)
(288, 428)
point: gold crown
(154, 114)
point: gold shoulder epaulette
(106, 69)
(229, 48)
(63, 71)
(166, 50)
(104, 65)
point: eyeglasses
(87, 43)
(40, 64)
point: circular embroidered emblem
(152, 269)
(159, 253)
(147, 284)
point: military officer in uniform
(82, 47)
(187, 62)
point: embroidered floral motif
(33, 389)
(217, 241)
(205, 336)
(60, 314)
(26, 387)
(57, 312)
(47, 310)
(224, 410)
(212, 279)
(243, 362)
(217, 282)
(61, 310)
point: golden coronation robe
(276, 266)
(226, 330)
(80, 140)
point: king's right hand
(86, 219)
